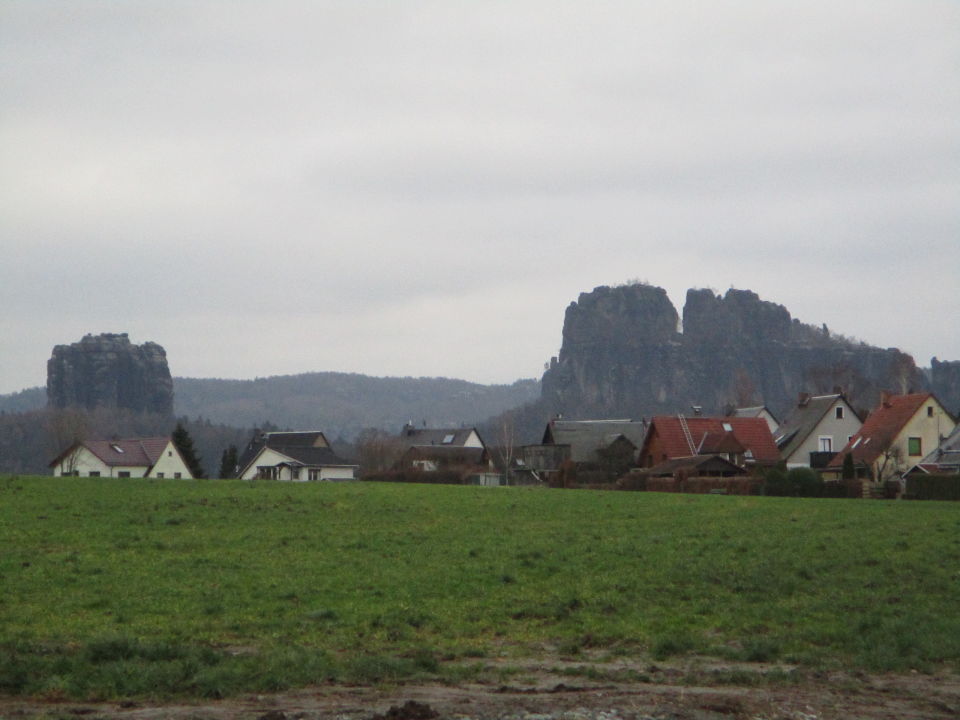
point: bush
(805, 482)
(798, 482)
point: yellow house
(896, 436)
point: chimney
(884, 399)
(803, 398)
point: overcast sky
(420, 188)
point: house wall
(83, 461)
(839, 431)
(473, 440)
(170, 463)
(337, 473)
(652, 451)
(928, 429)
(267, 456)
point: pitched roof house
(757, 411)
(586, 437)
(155, 457)
(743, 441)
(817, 427)
(452, 437)
(295, 456)
(896, 435)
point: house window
(176, 476)
(929, 410)
(160, 476)
(123, 474)
(294, 473)
(826, 443)
(94, 473)
(839, 412)
(914, 446)
(313, 474)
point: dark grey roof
(802, 421)
(754, 411)
(454, 437)
(311, 456)
(585, 437)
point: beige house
(818, 426)
(154, 457)
(896, 436)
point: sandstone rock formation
(623, 355)
(109, 371)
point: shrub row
(933, 487)
(437, 477)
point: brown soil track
(540, 690)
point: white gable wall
(170, 463)
(839, 431)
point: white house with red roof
(154, 457)
(896, 436)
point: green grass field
(113, 588)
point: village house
(896, 435)
(460, 451)
(761, 411)
(150, 457)
(584, 442)
(818, 426)
(299, 456)
(744, 441)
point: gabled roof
(300, 455)
(585, 437)
(804, 419)
(754, 411)
(297, 438)
(126, 452)
(881, 428)
(752, 433)
(455, 437)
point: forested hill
(341, 404)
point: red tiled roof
(881, 428)
(752, 433)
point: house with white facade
(153, 457)
(299, 456)
(818, 426)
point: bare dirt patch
(544, 691)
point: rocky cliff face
(945, 380)
(109, 371)
(624, 356)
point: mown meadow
(118, 588)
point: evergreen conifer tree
(228, 462)
(184, 443)
(848, 472)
